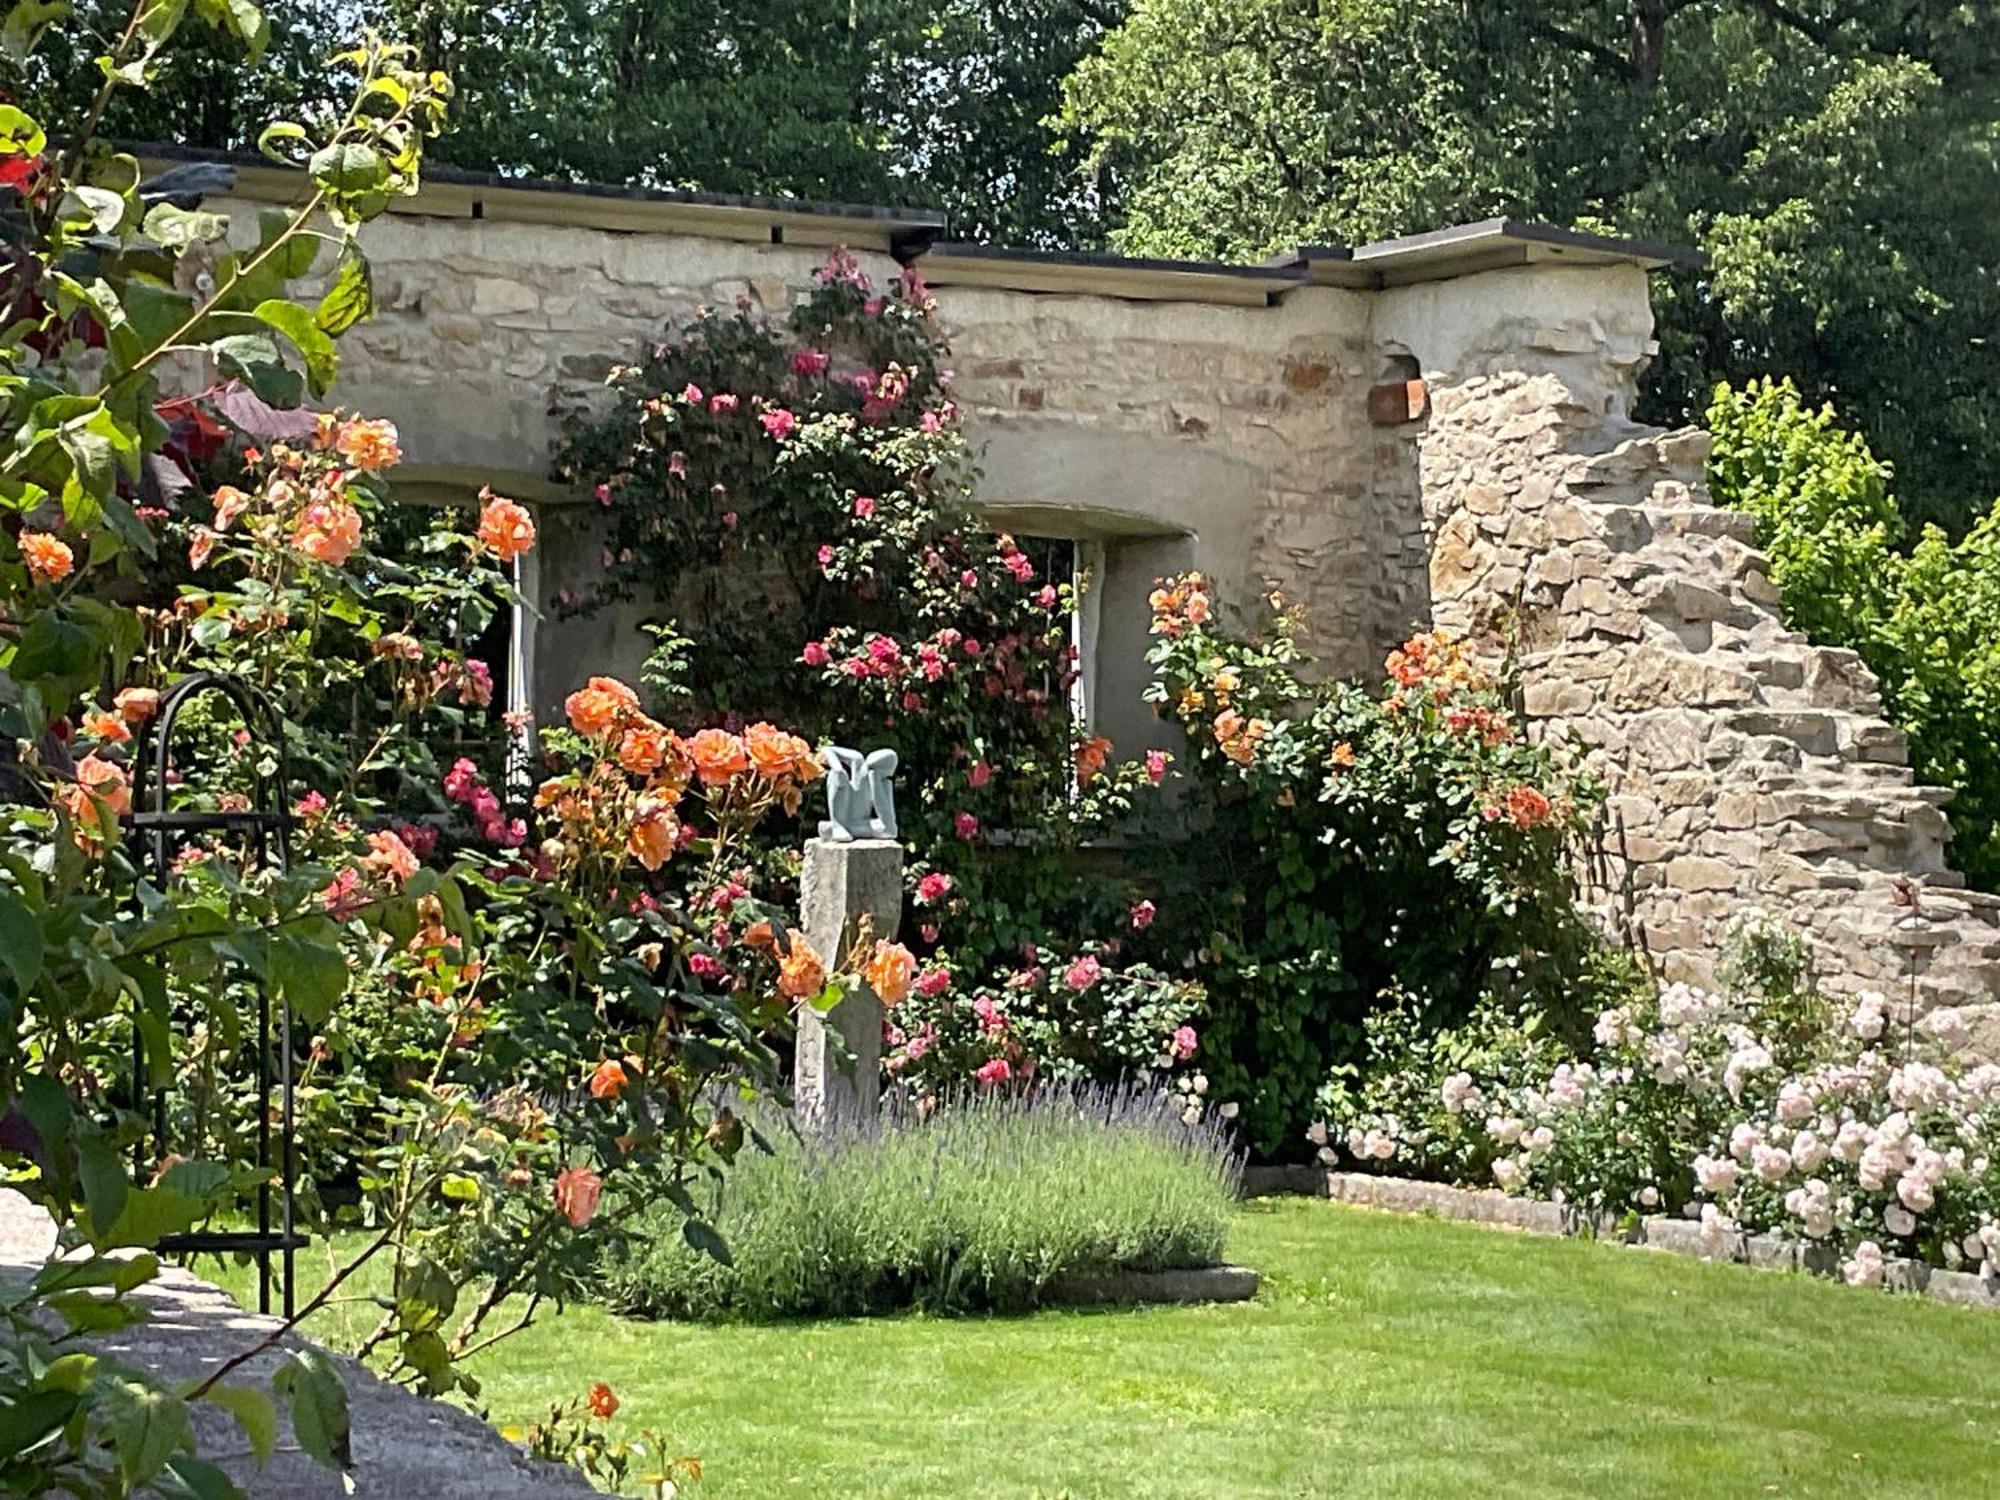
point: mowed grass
(1386, 1357)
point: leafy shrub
(1347, 843)
(980, 1205)
(1765, 1106)
(1926, 620)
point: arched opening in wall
(1112, 558)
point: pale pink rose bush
(1764, 1106)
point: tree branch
(1793, 20)
(1605, 57)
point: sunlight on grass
(1386, 1356)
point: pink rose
(815, 654)
(1156, 766)
(1142, 916)
(826, 554)
(864, 506)
(966, 826)
(1184, 1043)
(933, 982)
(1082, 974)
(722, 405)
(691, 393)
(810, 362)
(933, 887)
(778, 423)
(980, 774)
(706, 965)
(995, 1071)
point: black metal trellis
(266, 826)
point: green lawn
(1386, 1357)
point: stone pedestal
(839, 886)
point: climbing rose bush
(797, 482)
(1759, 1106)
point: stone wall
(1747, 769)
(1176, 434)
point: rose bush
(801, 484)
(1344, 844)
(1762, 1106)
(505, 1002)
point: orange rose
(718, 756)
(328, 531)
(760, 935)
(368, 444)
(889, 970)
(656, 834)
(95, 801)
(603, 1404)
(106, 781)
(801, 974)
(108, 727)
(505, 528)
(48, 557)
(643, 748)
(600, 705)
(390, 857)
(576, 1193)
(230, 502)
(137, 704)
(1091, 756)
(609, 1081)
(775, 754)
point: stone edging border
(1129, 1288)
(1664, 1232)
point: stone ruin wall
(1746, 768)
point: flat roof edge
(918, 235)
(619, 206)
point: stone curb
(1662, 1232)
(1129, 1288)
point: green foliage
(1349, 844)
(1832, 159)
(855, 100)
(979, 1205)
(1926, 621)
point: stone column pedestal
(840, 885)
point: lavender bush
(979, 1205)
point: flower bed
(1764, 1107)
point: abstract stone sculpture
(860, 798)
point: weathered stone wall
(1229, 438)
(1747, 769)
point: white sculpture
(860, 798)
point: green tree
(1836, 159)
(860, 100)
